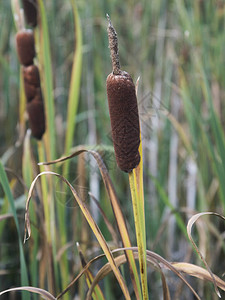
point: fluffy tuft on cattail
(123, 110)
(25, 46)
(30, 12)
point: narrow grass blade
(106, 220)
(46, 295)
(46, 74)
(27, 171)
(6, 187)
(73, 100)
(116, 209)
(137, 194)
(98, 295)
(49, 216)
(74, 90)
(91, 223)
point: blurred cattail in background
(31, 81)
(35, 110)
(25, 45)
(123, 110)
(30, 12)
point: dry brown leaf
(44, 294)
(199, 272)
(191, 222)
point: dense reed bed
(85, 220)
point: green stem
(137, 194)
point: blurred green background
(177, 49)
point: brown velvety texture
(30, 12)
(35, 110)
(124, 118)
(25, 47)
(31, 75)
(31, 81)
(30, 90)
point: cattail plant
(35, 110)
(125, 126)
(30, 12)
(123, 110)
(32, 86)
(25, 46)
(31, 82)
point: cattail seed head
(123, 110)
(124, 119)
(36, 115)
(31, 81)
(30, 12)
(31, 75)
(30, 90)
(38, 96)
(25, 47)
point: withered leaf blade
(44, 294)
(190, 224)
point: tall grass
(176, 47)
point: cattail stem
(113, 46)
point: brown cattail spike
(31, 81)
(35, 110)
(31, 75)
(123, 110)
(30, 11)
(25, 46)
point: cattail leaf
(79, 275)
(91, 223)
(199, 272)
(190, 224)
(97, 294)
(116, 209)
(44, 57)
(74, 90)
(44, 294)
(137, 194)
(72, 106)
(121, 259)
(106, 220)
(28, 167)
(152, 259)
(6, 187)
